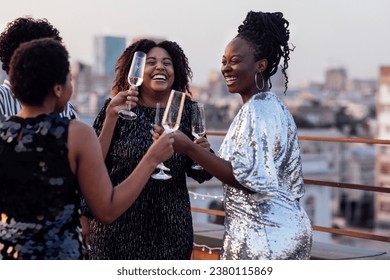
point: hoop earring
(262, 79)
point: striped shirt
(10, 106)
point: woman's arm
(86, 160)
(121, 101)
(219, 168)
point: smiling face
(159, 72)
(239, 68)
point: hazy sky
(326, 33)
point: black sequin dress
(39, 199)
(159, 224)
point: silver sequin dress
(264, 219)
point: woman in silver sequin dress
(48, 161)
(259, 160)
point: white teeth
(159, 77)
(229, 80)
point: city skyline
(326, 34)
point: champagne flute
(173, 111)
(198, 126)
(171, 120)
(135, 78)
(161, 175)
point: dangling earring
(262, 79)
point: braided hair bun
(268, 34)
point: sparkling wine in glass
(198, 126)
(161, 175)
(135, 78)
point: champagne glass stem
(161, 175)
(198, 126)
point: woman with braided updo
(259, 160)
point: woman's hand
(203, 142)
(162, 148)
(157, 131)
(122, 100)
(182, 142)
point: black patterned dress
(159, 224)
(39, 199)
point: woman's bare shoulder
(81, 131)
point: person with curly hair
(16, 32)
(159, 223)
(47, 162)
(259, 160)
(23, 29)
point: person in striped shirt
(23, 29)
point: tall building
(82, 78)
(107, 51)
(336, 79)
(382, 176)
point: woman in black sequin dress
(159, 223)
(47, 160)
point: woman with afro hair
(159, 224)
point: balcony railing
(208, 238)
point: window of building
(384, 168)
(385, 206)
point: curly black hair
(23, 29)
(268, 34)
(36, 67)
(183, 72)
